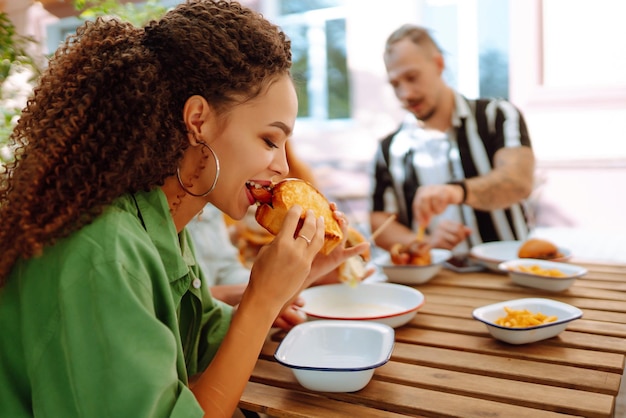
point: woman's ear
(195, 113)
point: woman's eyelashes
(269, 143)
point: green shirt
(108, 322)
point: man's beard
(429, 113)
(427, 116)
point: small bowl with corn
(547, 275)
(527, 320)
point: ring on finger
(308, 241)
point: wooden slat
(437, 305)
(501, 289)
(507, 367)
(604, 341)
(592, 342)
(502, 390)
(602, 284)
(610, 362)
(470, 300)
(600, 328)
(602, 268)
(278, 402)
(601, 315)
(409, 400)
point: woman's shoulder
(113, 235)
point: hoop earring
(217, 175)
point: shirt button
(196, 283)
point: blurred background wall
(562, 62)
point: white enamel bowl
(410, 274)
(491, 254)
(387, 303)
(565, 314)
(552, 284)
(335, 356)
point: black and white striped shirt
(410, 157)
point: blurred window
(474, 35)
(317, 30)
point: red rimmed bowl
(387, 303)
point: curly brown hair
(106, 116)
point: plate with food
(491, 254)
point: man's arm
(394, 233)
(510, 181)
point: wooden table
(445, 363)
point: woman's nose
(280, 165)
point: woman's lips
(251, 199)
(261, 191)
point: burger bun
(289, 192)
(538, 249)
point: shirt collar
(155, 213)
(461, 110)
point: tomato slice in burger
(262, 194)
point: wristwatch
(463, 186)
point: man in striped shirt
(461, 168)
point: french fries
(523, 318)
(535, 269)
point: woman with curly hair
(128, 135)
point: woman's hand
(281, 267)
(324, 266)
(291, 315)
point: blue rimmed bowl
(335, 355)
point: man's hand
(510, 181)
(433, 199)
(448, 234)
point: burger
(275, 199)
(538, 249)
